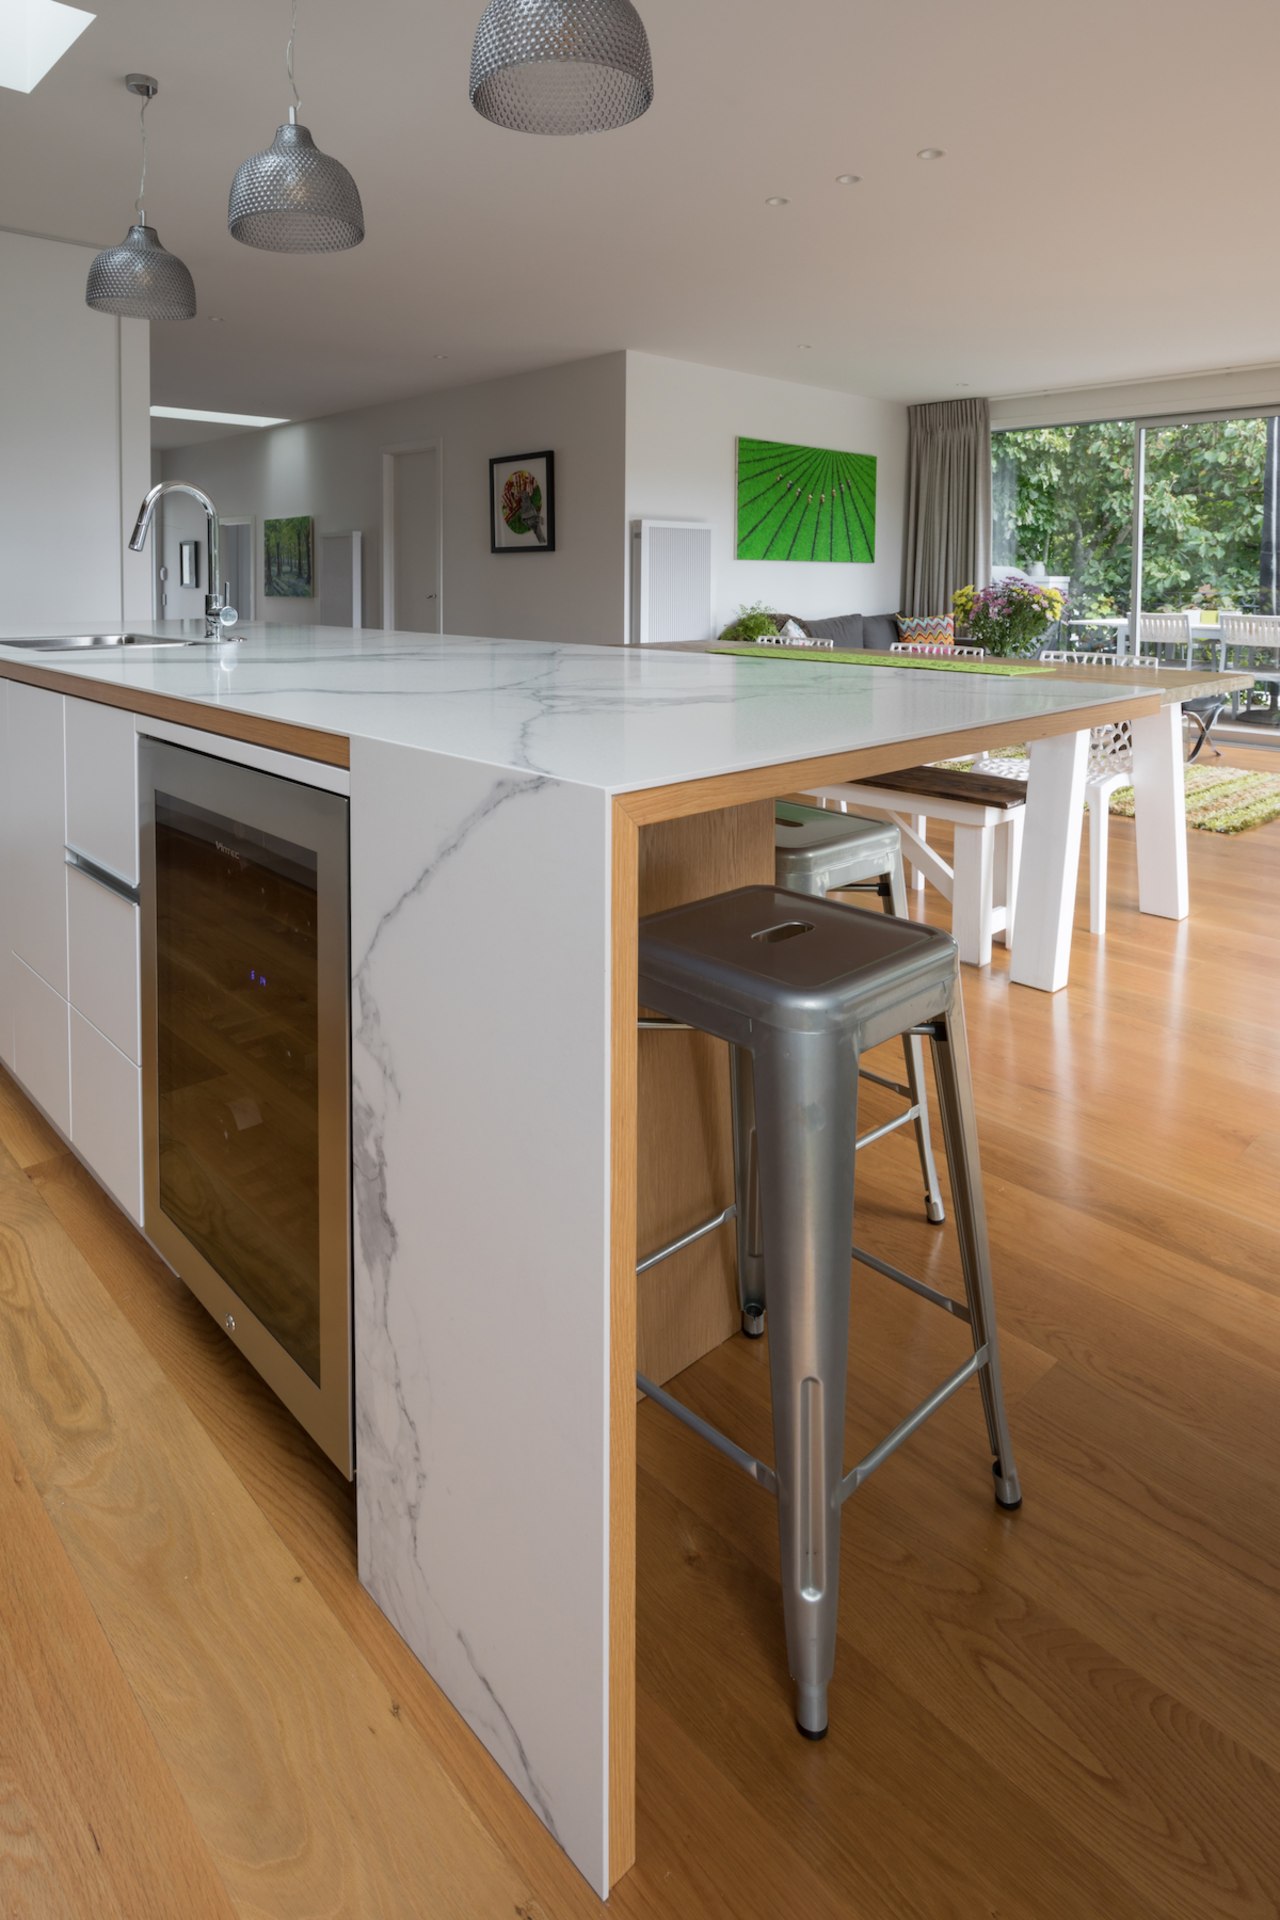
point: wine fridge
(246, 1066)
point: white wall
(683, 421)
(332, 469)
(74, 446)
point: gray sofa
(875, 631)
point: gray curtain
(948, 532)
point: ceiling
(1105, 209)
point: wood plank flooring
(1071, 1711)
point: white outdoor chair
(937, 649)
(1156, 631)
(1251, 644)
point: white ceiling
(1105, 210)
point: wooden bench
(987, 812)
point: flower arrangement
(1009, 617)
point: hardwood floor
(1071, 1711)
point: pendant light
(561, 66)
(139, 278)
(293, 198)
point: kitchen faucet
(215, 611)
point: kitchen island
(514, 807)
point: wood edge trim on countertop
(624, 999)
(648, 804)
(307, 743)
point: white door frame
(389, 456)
(245, 520)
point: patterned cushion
(938, 629)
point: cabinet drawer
(106, 1114)
(36, 829)
(40, 1045)
(102, 786)
(103, 959)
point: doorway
(236, 584)
(412, 505)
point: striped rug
(1219, 799)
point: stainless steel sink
(77, 642)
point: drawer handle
(103, 875)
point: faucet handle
(228, 616)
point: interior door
(416, 534)
(237, 567)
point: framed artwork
(288, 557)
(805, 503)
(522, 503)
(189, 563)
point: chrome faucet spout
(213, 601)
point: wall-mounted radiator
(670, 581)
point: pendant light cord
(293, 33)
(142, 183)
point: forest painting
(288, 567)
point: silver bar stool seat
(801, 987)
(820, 853)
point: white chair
(1251, 644)
(937, 649)
(982, 886)
(1156, 631)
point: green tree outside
(1064, 495)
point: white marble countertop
(612, 718)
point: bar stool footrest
(908, 1280)
(905, 1428)
(754, 1469)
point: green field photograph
(805, 503)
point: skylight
(219, 419)
(34, 35)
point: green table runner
(748, 650)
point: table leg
(1051, 861)
(1160, 812)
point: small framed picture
(522, 503)
(189, 563)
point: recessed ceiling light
(777, 200)
(804, 346)
(219, 419)
(848, 179)
(36, 35)
(931, 153)
(439, 356)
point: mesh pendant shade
(295, 199)
(141, 280)
(561, 66)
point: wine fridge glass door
(246, 1069)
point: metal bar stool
(820, 853)
(800, 988)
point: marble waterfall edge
(480, 1063)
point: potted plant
(1011, 616)
(756, 622)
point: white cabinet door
(102, 785)
(40, 1043)
(106, 1114)
(103, 959)
(36, 833)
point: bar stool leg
(746, 1193)
(913, 1054)
(960, 1133)
(806, 1120)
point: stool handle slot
(785, 930)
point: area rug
(1219, 799)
